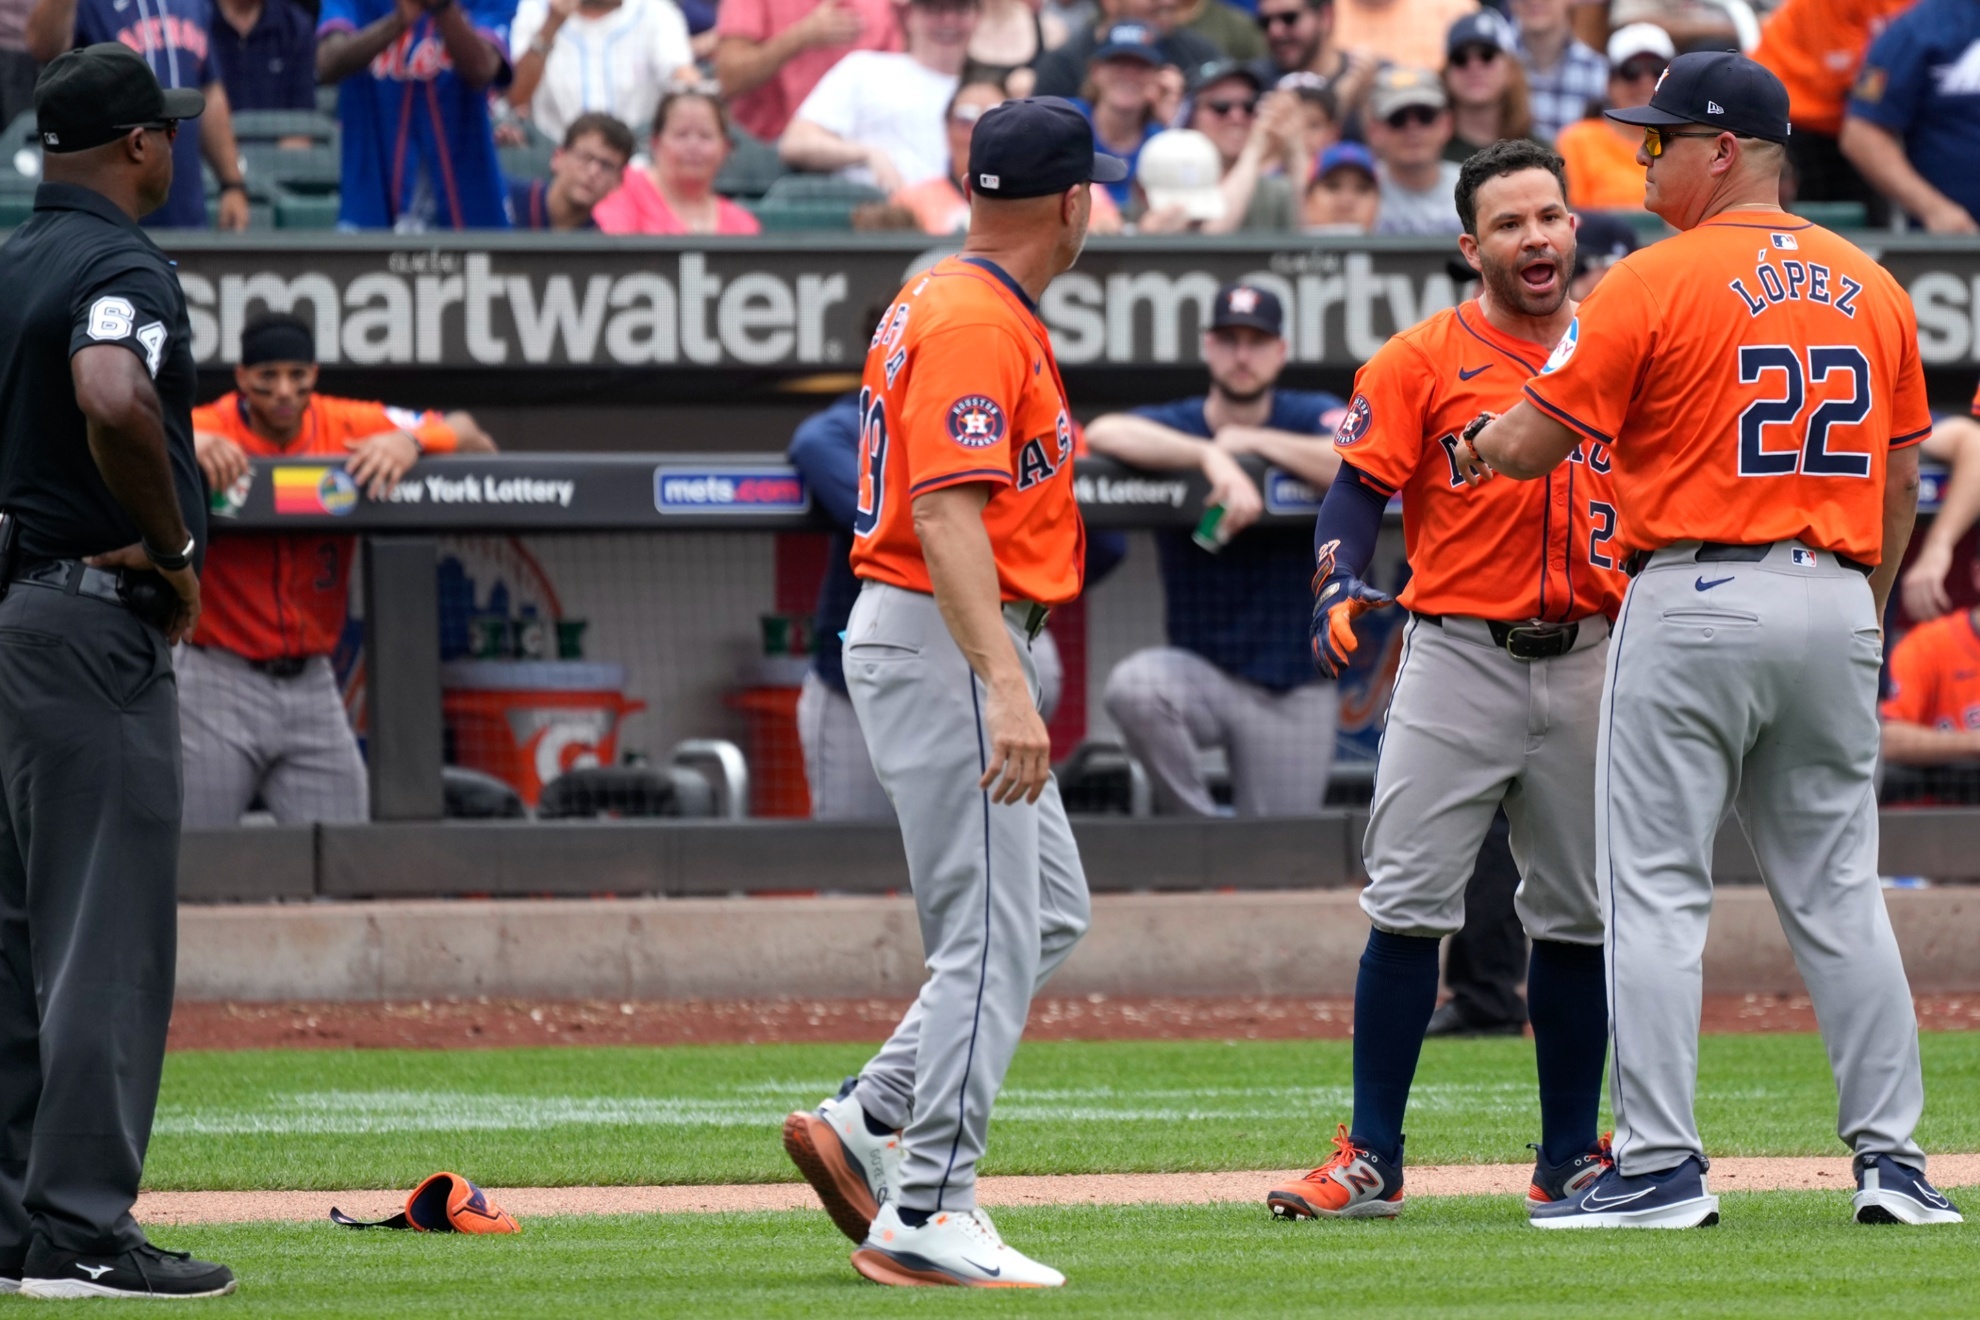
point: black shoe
(1448, 1021)
(143, 1271)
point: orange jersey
(1752, 376)
(267, 597)
(1816, 47)
(961, 386)
(1506, 550)
(1935, 675)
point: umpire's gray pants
(1168, 702)
(89, 859)
(1470, 730)
(287, 739)
(998, 890)
(1749, 686)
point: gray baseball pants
(1749, 686)
(1169, 702)
(837, 768)
(287, 739)
(999, 890)
(1470, 730)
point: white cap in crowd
(1181, 167)
(1635, 39)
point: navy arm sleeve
(1352, 515)
(825, 448)
(1104, 553)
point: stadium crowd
(1266, 116)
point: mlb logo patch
(976, 422)
(1786, 242)
(1804, 558)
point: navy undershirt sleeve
(1352, 515)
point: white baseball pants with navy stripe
(1747, 686)
(999, 890)
(286, 739)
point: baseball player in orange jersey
(965, 535)
(1497, 694)
(1756, 380)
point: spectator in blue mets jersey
(176, 39)
(1238, 670)
(419, 150)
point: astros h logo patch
(1355, 425)
(976, 422)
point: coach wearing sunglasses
(1409, 125)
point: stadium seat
(266, 167)
(1833, 215)
(273, 125)
(753, 166)
(303, 205)
(18, 146)
(472, 795)
(529, 161)
(627, 792)
(812, 201)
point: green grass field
(574, 1116)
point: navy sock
(913, 1218)
(874, 1126)
(1394, 995)
(1567, 1001)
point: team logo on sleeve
(975, 422)
(1564, 351)
(1354, 426)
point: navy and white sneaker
(1674, 1198)
(1559, 1182)
(1891, 1193)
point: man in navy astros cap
(1755, 384)
(965, 536)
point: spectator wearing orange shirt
(259, 709)
(1602, 169)
(1406, 32)
(1932, 715)
(771, 53)
(1816, 47)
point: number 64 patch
(112, 318)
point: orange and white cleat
(1355, 1184)
(851, 1167)
(955, 1248)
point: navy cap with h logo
(1715, 89)
(1035, 147)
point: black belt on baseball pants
(1725, 552)
(89, 855)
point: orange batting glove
(1339, 598)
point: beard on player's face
(1241, 388)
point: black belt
(1725, 552)
(281, 666)
(144, 594)
(1525, 641)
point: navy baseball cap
(1716, 89)
(1129, 41)
(1485, 28)
(1250, 306)
(1036, 147)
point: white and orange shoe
(852, 1168)
(955, 1248)
(1355, 1184)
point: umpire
(104, 514)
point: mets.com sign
(498, 302)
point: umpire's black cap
(94, 95)
(1716, 89)
(1248, 305)
(1034, 148)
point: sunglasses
(1245, 107)
(1638, 70)
(1284, 18)
(1470, 55)
(169, 127)
(1655, 138)
(1412, 116)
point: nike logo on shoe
(1703, 585)
(1595, 1201)
(1467, 375)
(96, 1271)
(985, 1268)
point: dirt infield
(1728, 1175)
(485, 1023)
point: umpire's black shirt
(81, 272)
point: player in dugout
(259, 709)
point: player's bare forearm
(1900, 509)
(341, 54)
(126, 427)
(475, 58)
(1311, 458)
(1914, 744)
(963, 571)
(809, 146)
(1145, 444)
(1524, 443)
(1956, 443)
(742, 65)
(469, 438)
(1878, 154)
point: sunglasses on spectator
(1655, 138)
(1470, 54)
(1244, 106)
(1412, 116)
(1638, 69)
(1284, 18)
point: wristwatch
(169, 562)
